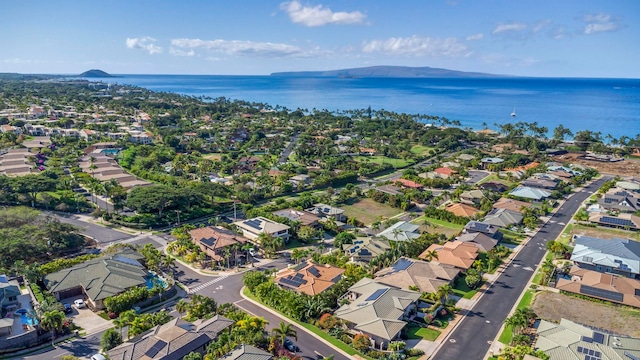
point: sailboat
(513, 114)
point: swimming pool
(27, 320)
(110, 151)
(152, 279)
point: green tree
(193, 356)
(52, 321)
(283, 331)
(110, 339)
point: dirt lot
(603, 233)
(367, 211)
(627, 167)
(620, 320)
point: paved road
(284, 157)
(101, 234)
(472, 337)
(80, 348)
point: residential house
(408, 184)
(305, 218)
(472, 197)
(530, 193)
(378, 310)
(630, 185)
(511, 204)
(540, 183)
(363, 249)
(466, 157)
(450, 164)
(445, 172)
(482, 227)
(503, 218)
(252, 228)
(426, 276)
(457, 253)
(88, 134)
(326, 211)
(459, 209)
(37, 143)
(486, 162)
(11, 129)
(494, 186)
(389, 189)
(98, 279)
(247, 352)
(616, 256)
(309, 278)
(173, 340)
(15, 162)
(483, 242)
(617, 199)
(622, 221)
(604, 286)
(400, 231)
(9, 292)
(215, 241)
(572, 341)
(300, 180)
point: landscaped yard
(461, 289)
(368, 211)
(622, 320)
(213, 156)
(525, 302)
(380, 159)
(494, 178)
(417, 332)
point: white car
(98, 357)
(79, 303)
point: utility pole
(178, 214)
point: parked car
(291, 346)
(79, 303)
(98, 357)
(67, 308)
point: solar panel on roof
(580, 349)
(616, 221)
(314, 271)
(402, 264)
(587, 339)
(376, 294)
(631, 356)
(127, 260)
(598, 337)
(605, 294)
(155, 349)
(597, 354)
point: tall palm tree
(246, 247)
(430, 255)
(443, 293)
(52, 321)
(182, 307)
(283, 331)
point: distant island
(95, 73)
(390, 71)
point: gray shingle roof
(247, 352)
(102, 277)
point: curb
(293, 322)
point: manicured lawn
(437, 226)
(507, 333)
(368, 211)
(380, 159)
(420, 149)
(494, 178)
(437, 222)
(213, 156)
(461, 289)
(417, 332)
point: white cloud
(597, 23)
(177, 52)
(20, 61)
(417, 46)
(541, 25)
(509, 28)
(243, 48)
(144, 43)
(320, 16)
(475, 37)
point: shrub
(327, 321)
(346, 339)
(414, 352)
(361, 342)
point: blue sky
(554, 38)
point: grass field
(380, 159)
(421, 149)
(494, 178)
(368, 211)
(213, 156)
(416, 332)
(601, 232)
(461, 289)
(437, 226)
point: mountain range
(390, 71)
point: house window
(599, 268)
(13, 298)
(608, 269)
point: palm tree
(285, 330)
(430, 255)
(52, 321)
(246, 247)
(443, 293)
(182, 307)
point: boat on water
(513, 114)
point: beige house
(426, 276)
(252, 228)
(213, 241)
(309, 278)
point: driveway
(475, 176)
(85, 318)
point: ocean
(610, 106)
